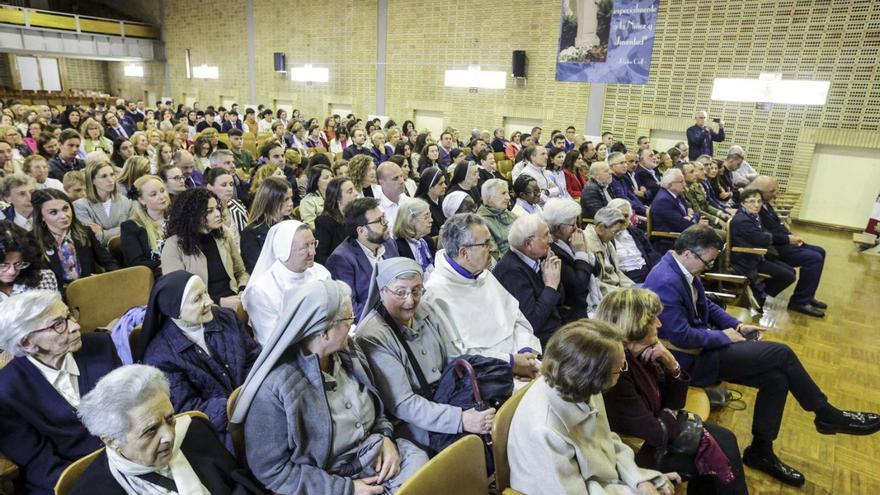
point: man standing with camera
(700, 136)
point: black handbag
(688, 441)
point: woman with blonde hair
(262, 174)
(103, 208)
(93, 138)
(647, 400)
(141, 143)
(163, 155)
(143, 235)
(362, 172)
(133, 169)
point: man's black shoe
(806, 309)
(818, 304)
(857, 423)
(771, 465)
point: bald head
(767, 185)
(391, 180)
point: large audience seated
(318, 284)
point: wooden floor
(842, 352)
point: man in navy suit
(669, 211)
(40, 388)
(446, 147)
(368, 241)
(794, 251)
(700, 136)
(646, 174)
(532, 273)
(619, 188)
(713, 346)
(113, 129)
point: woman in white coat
(560, 441)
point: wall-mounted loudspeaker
(519, 63)
(280, 62)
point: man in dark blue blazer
(794, 251)
(700, 136)
(368, 241)
(646, 174)
(39, 427)
(669, 211)
(713, 346)
(619, 188)
(446, 146)
(532, 274)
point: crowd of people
(369, 256)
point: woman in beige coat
(198, 244)
(560, 441)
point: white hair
(560, 210)
(670, 176)
(491, 188)
(614, 158)
(596, 166)
(620, 204)
(104, 410)
(522, 228)
(23, 314)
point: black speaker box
(519, 63)
(280, 62)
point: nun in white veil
(287, 261)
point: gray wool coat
(289, 430)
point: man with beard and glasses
(368, 241)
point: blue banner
(606, 41)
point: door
(513, 124)
(855, 172)
(431, 120)
(49, 73)
(189, 99)
(227, 101)
(662, 140)
(29, 73)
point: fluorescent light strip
(771, 88)
(206, 72)
(308, 73)
(133, 70)
(473, 77)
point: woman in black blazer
(412, 229)
(71, 250)
(330, 224)
(142, 236)
(273, 202)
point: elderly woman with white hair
(150, 450)
(600, 241)
(578, 263)
(634, 251)
(205, 350)
(408, 348)
(41, 388)
(411, 233)
(496, 199)
(286, 262)
(313, 420)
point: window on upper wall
(771, 88)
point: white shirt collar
(380, 253)
(64, 379)
(22, 221)
(531, 263)
(687, 274)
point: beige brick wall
(134, 88)
(427, 37)
(802, 39)
(83, 74)
(341, 37)
(215, 31)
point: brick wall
(153, 81)
(5, 70)
(83, 74)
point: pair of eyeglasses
(19, 265)
(709, 264)
(61, 325)
(402, 294)
(482, 244)
(178, 178)
(311, 245)
(339, 320)
(753, 201)
(623, 368)
(381, 220)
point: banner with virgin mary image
(606, 41)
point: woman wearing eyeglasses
(104, 208)
(560, 441)
(646, 402)
(313, 419)
(40, 389)
(405, 343)
(21, 268)
(204, 350)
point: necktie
(121, 132)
